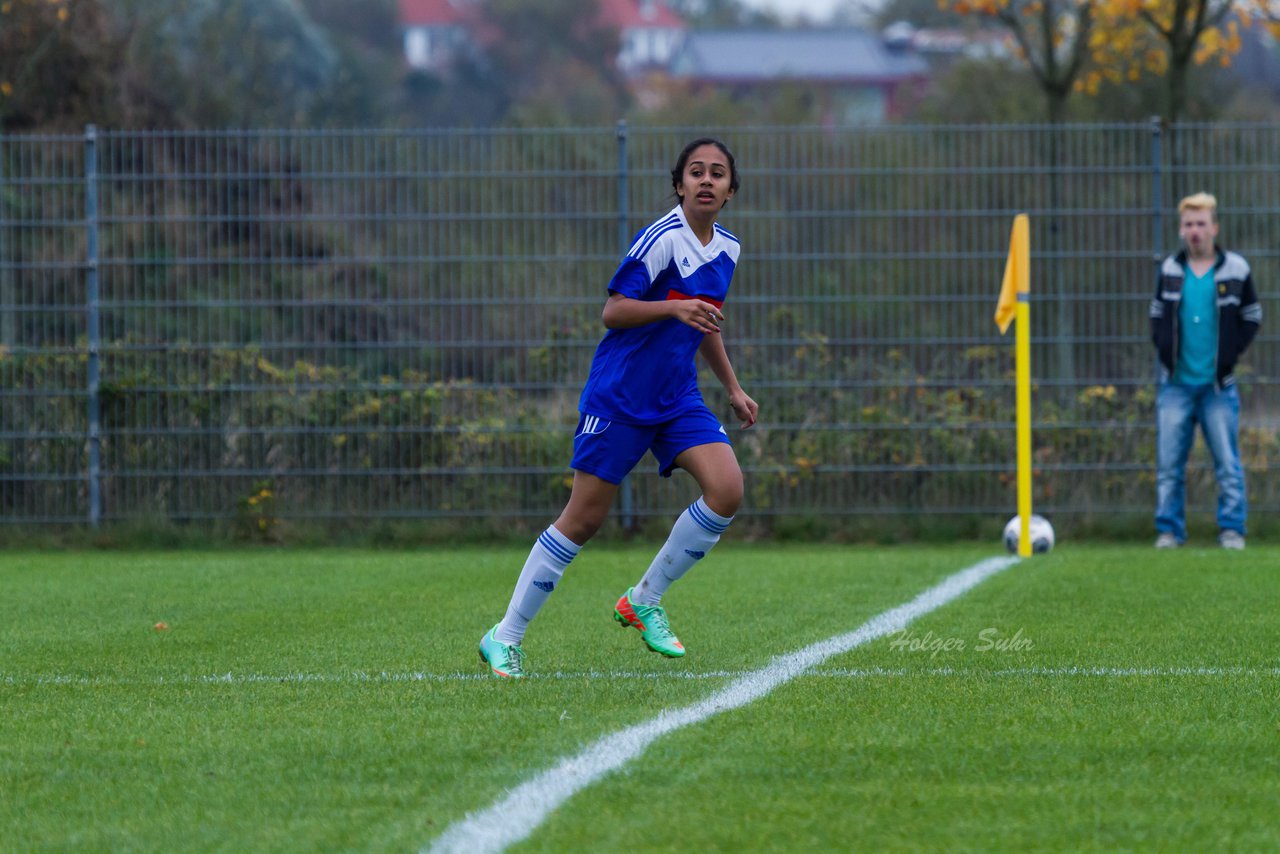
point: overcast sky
(813, 10)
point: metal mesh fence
(273, 325)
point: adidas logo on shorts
(592, 425)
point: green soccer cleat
(505, 660)
(651, 620)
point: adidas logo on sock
(548, 586)
(695, 554)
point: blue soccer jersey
(646, 374)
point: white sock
(694, 533)
(551, 554)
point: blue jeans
(1178, 409)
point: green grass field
(332, 700)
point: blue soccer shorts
(610, 449)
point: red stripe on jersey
(674, 294)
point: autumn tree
(1077, 45)
(1053, 37)
(1169, 38)
(1165, 38)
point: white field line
(391, 677)
(515, 816)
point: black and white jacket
(1239, 312)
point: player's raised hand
(702, 316)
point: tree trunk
(8, 293)
(1178, 72)
(1064, 328)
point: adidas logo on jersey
(685, 262)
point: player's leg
(714, 466)
(699, 527)
(551, 555)
(603, 455)
(555, 549)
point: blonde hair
(1199, 202)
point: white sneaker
(1169, 541)
(1231, 540)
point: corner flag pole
(1015, 304)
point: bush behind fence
(265, 326)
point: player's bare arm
(623, 313)
(712, 350)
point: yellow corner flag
(1015, 303)
(1017, 273)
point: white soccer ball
(1041, 534)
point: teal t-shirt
(1198, 319)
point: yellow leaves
(270, 370)
(1122, 8)
(361, 411)
(1089, 82)
(1156, 61)
(1219, 44)
(1098, 392)
(257, 511)
(263, 496)
(1130, 38)
(1121, 45)
(981, 353)
(987, 8)
(6, 88)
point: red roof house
(438, 32)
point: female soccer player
(642, 394)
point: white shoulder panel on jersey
(671, 240)
(653, 247)
(690, 255)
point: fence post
(8, 293)
(627, 497)
(93, 321)
(1157, 200)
